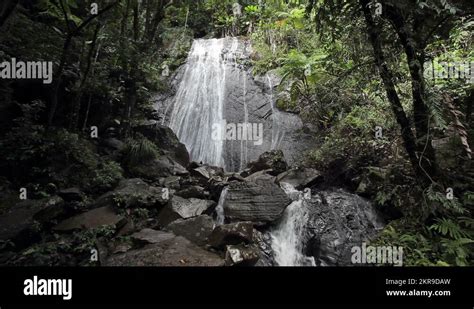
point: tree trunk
(89, 101)
(131, 83)
(76, 108)
(7, 9)
(64, 54)
(392, 95)
(57, 83)
(416, 58)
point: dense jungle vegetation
(355, 70)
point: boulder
(71, 195)
(337, 221)
(181, 208)
(20, 223)
(235, 177)
(205, 173)
(52, 208)
(113, 144)
(171, 182)
(166, 140)
(231, 234)
(120, 247)
(257, 202)
(243, 255)
(300, 178)
(175, 251)
(192, 191)
(163, 166)
(194, 165)
(104, 216)
(245, 173)
(264, 175)
(133, 193)
(150, 236)
(215, 189)
(127, 229)
(263, 242)
(449, 149)
(371, 180)
(273, 160)
(196, 229)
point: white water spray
(199, 102)
(220, 207)
(287, 237)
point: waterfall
(244, 144)
(199, 101)
(277, 134)
(287, 237)
(220, 207)
(215, 90)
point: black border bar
(258, 286)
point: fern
(468, 199)
(447, 227)
(436, 198)
(437, 110)
(467, 222)
(140, 151)
(456, 250)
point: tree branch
(92, 17)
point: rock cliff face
(216, 89)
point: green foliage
(447, 227)
(253, 10)
(105, 177)
(456, 238)
(56, 156)
(54, 9)
(353, 139)
(294, 19)
(296, 65)
(141, 213)
(72, 251)
(140, 151)
(85, 240)
(437, 201)
(418, 250)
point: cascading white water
(220, 207)
(199, 102)
(287, 237)
(244, 143)
(277, 134)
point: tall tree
(143, 33)
(374, 32)
(6, 9)
(70, 34)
